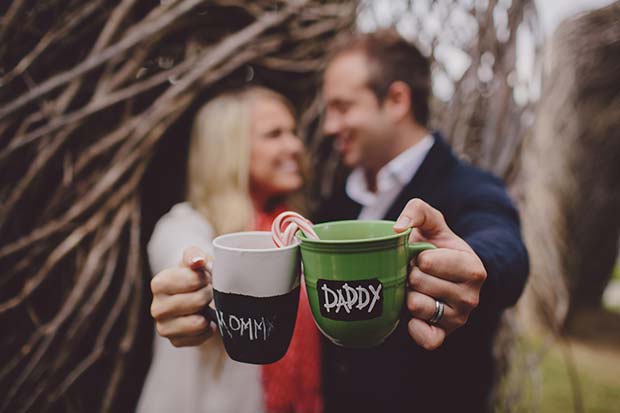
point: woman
(244, 163)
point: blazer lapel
(439, 160)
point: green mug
(355, 278)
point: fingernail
(403, 222)
(196, 259)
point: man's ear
(397, 102)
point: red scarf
(293, 384)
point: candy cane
(285, 226)
(304, 224)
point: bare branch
(127, 42)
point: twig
(134, 272)
(68, 244)
(100, 103)
(129, 41)
(35, 169)
(9, 17)
(85, 313)
(49, 38)
(51, 329)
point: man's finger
(167, 306)
(427, 336)
(177, 281)
(452, 265)
(422, 306)
(443, 290)
(418, 214)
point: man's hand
(178, 295)
(452, 274)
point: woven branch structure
(88, 93)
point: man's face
(353, 115)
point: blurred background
(96, 103)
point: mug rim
(217, 242)
(301, 236)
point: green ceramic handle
(417, 247)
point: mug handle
(417, 247)
(208, 312)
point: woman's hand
(179, 295)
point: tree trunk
(572, 166)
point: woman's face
(276, 150)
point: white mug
(256, 294)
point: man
(376, 91)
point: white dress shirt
(391, 180)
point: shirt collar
(396, 173)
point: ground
(598, 372)
(595, 349)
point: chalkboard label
(250, 328)
(350, 300)
(256, 329)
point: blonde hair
(218, 172)
(219, 159)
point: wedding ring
(439, 307)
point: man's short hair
(391, 58)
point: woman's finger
(191, 341)
(168, 306)
(180, 327)
(178, 281)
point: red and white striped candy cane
(285, 226)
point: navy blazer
(400, 376)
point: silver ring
(439, 307)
